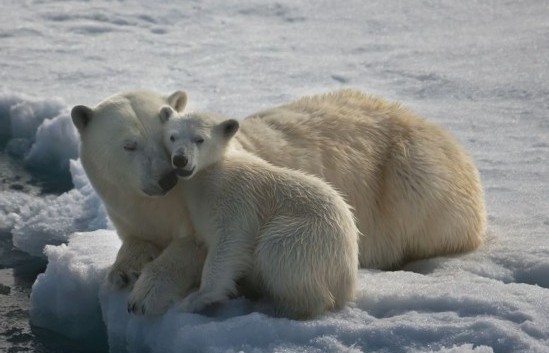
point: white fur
(128, 183)
(289, 234)
(414, 191)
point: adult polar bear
(414, 190)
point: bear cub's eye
(172, 138)
(130, 146)
(198, 140)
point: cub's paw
(196, 301)
(151, 296)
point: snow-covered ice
(464, 304)
(480, 69)
(71, 284)
(39, 220)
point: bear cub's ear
(165, 113)
(229, 127)
(81, 116)
(178, 100)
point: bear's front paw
(129, 264)
(192, 303)
(121, 278)
(196, 301)
(152, 297)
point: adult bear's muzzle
(168, 180)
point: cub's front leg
(168, 278)
(132, 256)
(225, 263)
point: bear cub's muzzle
(179, 162)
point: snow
(51, 220)
(480, 69)
(74, 272)
(464, 304)
(56, 143)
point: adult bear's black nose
(168, 180)
(179, 161)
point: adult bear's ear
(178, 100)
(229, 127)
(81, 117)
(165, 113)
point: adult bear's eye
(130, 146)
(172, 138)
(198, 140)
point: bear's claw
(133, 308)
(197, 301)
(151, 296)
(120, 279)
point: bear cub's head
(195, 140)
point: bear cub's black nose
(179, 161)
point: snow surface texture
(478, 68)
(453, 305)
(40, 133)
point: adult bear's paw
(131, 258)
(152, 295)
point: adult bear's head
(121, 143)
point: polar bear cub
(289, 235)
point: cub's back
(242, 179)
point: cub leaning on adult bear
(289, 235)
(414, 190)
